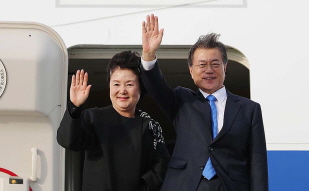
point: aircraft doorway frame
(85, 55)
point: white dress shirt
(220, 104)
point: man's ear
(190, 70)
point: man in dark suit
(220, 144)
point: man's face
(208, 70)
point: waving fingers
(85, 80)
(80, 79)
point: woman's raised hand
(80, 89)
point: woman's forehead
(119, 74)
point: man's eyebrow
(203, 60)
(215, 60)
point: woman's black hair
(126, 60)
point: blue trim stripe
(288, 170)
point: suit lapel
(231, 110)
(204, 107)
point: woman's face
(124, 91)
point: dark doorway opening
(173, 63)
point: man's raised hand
(151, 37)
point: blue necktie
(209, 170)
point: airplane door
(33, 77)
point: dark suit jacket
(111, 164)
(238, 153)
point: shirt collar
(219, 94)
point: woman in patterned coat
(124, 147)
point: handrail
(34, 164)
